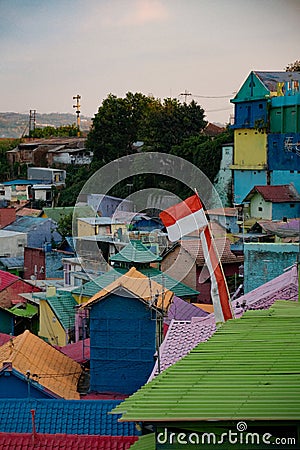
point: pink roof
(4, 338)
(277, 194)
(6, 279)
(79, 351)
(38, 441)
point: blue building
(39, 231)
(124, 320)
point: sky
(52, 50)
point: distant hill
(15, 125)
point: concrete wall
(264, 261)
(245, 180)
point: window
(292, 205)
(260, 208)
(260, 105)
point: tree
(49, 131)
(64, 225)
(5, 146)
(293, 67)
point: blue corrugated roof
(12, 263)
(63, 416)
(22, 182)
(25, 223)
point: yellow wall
(50, 327)
(250, 148)
(81, 299)
(85, 229)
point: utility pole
(186, 94)
(77, 106)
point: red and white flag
(182, 219)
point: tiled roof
(248, 370)
(232, 212)
(194, 248)
(283, 287)
(182, 310)
(6, 279)
(64, 308)
(92, 287)
(64, 441)
(79, 351)
(276, 194)
(4, 338)
(63, 416)
(182, 336)
(135, 252)
(56, 372)
(138, 284)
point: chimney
(51, 291)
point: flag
(183, 218)
(219, 289)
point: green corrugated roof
(92, 287)
(64, 308)
(249, 369)
(135, 252)
(27, 310)
(146, 442)
(62, 211)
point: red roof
(6, 279)
(4, 338)
(79, 351)
(39, 441)
(276, 194)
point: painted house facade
(12, 243)
(123, 325)
(274, 202)
(266, 132)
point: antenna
(185, 94)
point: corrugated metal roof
(146, 442)
(63, 416)
(276, 194)
(29, 212)
(56, 372)
(194, 248)
(137, 284)
(135, 252)
(25, 224)
(249, 369)
(78, 351)
(12, 263)
(26, 310)
(63, 306)
(62, 211)
(64, 441)
(270, 79)
(182, 310)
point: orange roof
(140, 286)
(56, 372)
(205, 306)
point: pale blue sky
(53, 49)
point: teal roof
(249, 370)
(135, 252)
(92, 287)
(63, 305)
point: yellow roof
(205, 306)
(140, 286)
(56, 371)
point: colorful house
(39, 231)
(273, 202)
(243, 382)
(36, 366)
(266, 132)
(57, 316)
(125, 323)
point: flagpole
(208, 230)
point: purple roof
(283, 287)
(182, 310)
(184, 335)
